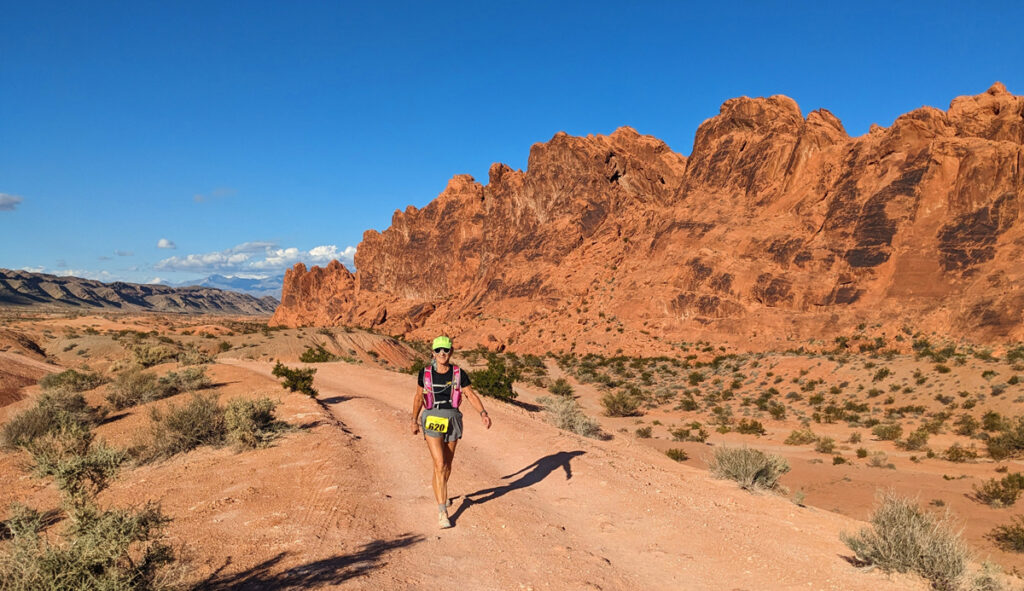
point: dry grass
(751, 468)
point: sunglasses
(442, 350)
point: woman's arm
(477, 404)
(417, 406)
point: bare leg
(441, 468)
(449, 457)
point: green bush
(1009, 537)
(200, 421)
(71, 380)
(1009, 443)
(134, 387)
(904, 538)
(189, 380)
(251, 423)
(751, 468)
(887, 431)
(620, 404)
(825, 445)
(862, 452)
(193, 356)
(750, 427)
(317, 355)
(644, 432)
(495, 381)
(565, 413)
(915, 441)
(959, 453)
(801, 437)
(692, 432)
(677, 454)
(296, 380)
(54, 410)
(148, 356)
(561, 387)
(1000, 492)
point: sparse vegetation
(1000, 492)
(565, 413)
(905, 538)
(801, 437)
(677, 454)
(54, 410)
(178, 429)
(251, 423)
(296, 380)
(888, 431)
(1009, 537)
(620, 404)
(72, 380)
(317, 354)
(561, 387)
(751, 468)
(495, 381)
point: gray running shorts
(454, 416)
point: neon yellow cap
(442, 341)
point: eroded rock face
(777, 227)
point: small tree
(296, 380)
(495, 381)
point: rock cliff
(777, 227)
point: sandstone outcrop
(777, 227)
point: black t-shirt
(443, 385)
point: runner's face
(442, 355)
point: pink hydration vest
(428, 387)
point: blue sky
(172, 140)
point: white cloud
(34, 269)
(257, 259)
(165, 243)
(9, 202)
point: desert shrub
(879, 459)
(966, 425)
(223, 346)
(750, 427)
(495, 381)
(751, 468)
(887, 431)
(188, 380)
(915, 441)
(881, 374)
(561, 387)
(687, 403)
(801, 437)
(251, 423)
(677, 454)
(109, 549)
(777, 410)
(854, 437)
(862, 452)
(80, 467)
(836, 460)
(644, 432)
(134, 386)
(695, 377)
(150, 355)
(71, 380)
(200, 421)
(193, 356)
(54, 410)
(959, 453)
(825, 445)
(1009, 537)
(620, 404)
(993, 421)
(296, 380)
(565, 413)
(905, 538)
(317, 355)
(692, 432)
(1000, 492)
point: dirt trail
(537, 508)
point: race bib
(436, 424)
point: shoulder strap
(428, 388)
(456, 386)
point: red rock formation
(776, 227)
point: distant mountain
(22, 289)
(269, 286)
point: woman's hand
(486, 419)
(415, 426)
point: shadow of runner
(538, 471)
(328, 571)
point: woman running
(435, 409)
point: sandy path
(538, 508)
